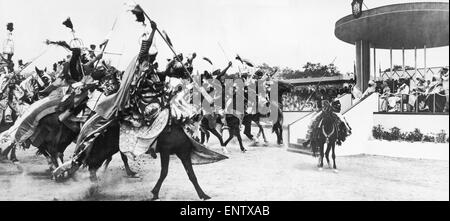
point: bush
(377, 132)
(440, 138)
(395, 134)
(428, 138)
(414, 136)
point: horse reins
(327, 136)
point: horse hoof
(336, 171)
(320, 169)
(244, 150)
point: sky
(284, 33)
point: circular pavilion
(408, 26)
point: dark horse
(172, 140)
(330, 132)
(105, 146)
(277, 126)
(208, 124)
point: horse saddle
(136, 140)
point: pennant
(207, 59)
(139, 13)
(243, 61)
(167, 38)
(10, 27)
(102, 45)
(248, 63)
(68, 23)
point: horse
(330, 132)
(52, 136)
(208, 124)
(20, 94)
(277, 126)
(109, 146)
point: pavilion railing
(411, 73)
(412, 103)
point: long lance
(107, 40)
(223, 51)
(201, 89)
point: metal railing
(412, 103)
(410, 73)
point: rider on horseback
(313, 128)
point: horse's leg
(107, 161)
(130, 173)
(240, 143)
(49, 161)
(275, 129)
(327, 153)
(187, 163)
(281, 134)
(13, 156)
(93, 175)
(333, 155)
(228, 140)
(261, 130)
(217, 134)
(208, 135)
(202, 137)
(4, 154)
(248, 131)
(165, 157)
(321, 157)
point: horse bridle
(327, 136)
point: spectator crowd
(308, 98)
(414, 95)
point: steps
(299, 148)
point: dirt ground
(263, 173)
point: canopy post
(390, 60)
(374, 64)
(425, 73)
(415, 61)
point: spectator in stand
(404, 94)
(370, 90)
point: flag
(103, 44)
(207, 59)
(167, 38)
(68, 23)
(243, 61)
(139, 13)
(10, 27)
